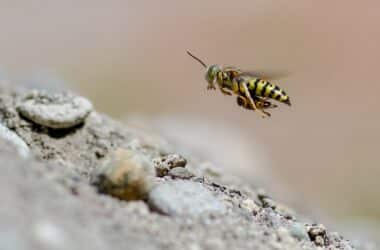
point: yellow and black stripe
(263, 88)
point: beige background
(129, 57)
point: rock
(47, 202)
(13, 138)
(165, 163)
(317, 234)
(181, 173)
(180, 197)
(125, 174)
(56, 111)
(298, 231)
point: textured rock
(57, 111)
(48, 202)
(177, 198)
(317, 234)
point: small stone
(298, 231)
(56, 111)
(180, 173)
(250, 206)
(165, 163)
(125, 174)
(180, 197)
(10, 136)
(317, 234)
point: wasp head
(211, 73)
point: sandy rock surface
(48, 201)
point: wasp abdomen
(263, 88)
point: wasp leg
(264, 103)
(242, 101)
(225, 91)
(260, 105)
(244, 88)
(265, 112)
(211, 86)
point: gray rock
(181, 173)
(181, 197)
(12, 137)
(298, 231)
(49, 204)
(57, 111)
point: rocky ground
(75, 179)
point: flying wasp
(253, 92)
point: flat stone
(180, 197)
(181, 173)
(56, 111)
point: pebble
(298, 231)
(125, 174)
(165, 163)
(180, 173)
(317, 234)
(10, 136)
(56, 111)
(182, 197)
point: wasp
(253, 92)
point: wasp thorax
(211, 73)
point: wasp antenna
(196, 58)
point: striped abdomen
(263, 88)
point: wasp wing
(266, 74)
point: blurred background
(129, 58)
